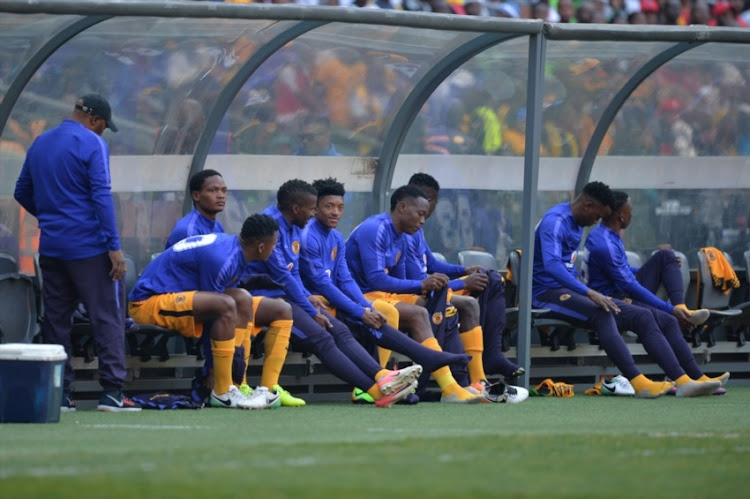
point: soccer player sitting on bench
(611, 275)
(556, 241)
(191, 284)
(376, 255)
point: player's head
(330, 206)
(427, 184)
(622, 210)
(409, 209)
(258, 236)
(296, 200)
(209, 192)
(594, 202)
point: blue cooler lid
(32, 352)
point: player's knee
(644, 320)
(243, 300)
(280, 310)
(226, 305)
(285, 310)
(665, 256)
(468, 309)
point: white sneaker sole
(694, 389)
(406, 376)
(699, 316)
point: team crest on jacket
(295, 247)
(564, 297)
(180, 299)
(334, 252)
(437, 318)
(290, 266)
(398, 257)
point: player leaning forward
(193, 283)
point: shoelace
(620, 383)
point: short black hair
(292, 191)
(197, 180)
(329, 187)
(619, 198)
(405, 192)
(599, 191)
(257, 227)
(424, 180)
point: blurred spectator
(672, 12)
(566, 11)
(651, 11)
(180, 135)
(539, 10)
(475, 8)
(618, 10)
(585, 12)
(316, 138)
(725, 13)
(293, 91)
(340, 73)
(674, 135)
(700, 12)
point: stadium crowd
(667, 12)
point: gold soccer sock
(445, 380)
(223, 352)
(474, 346)
(276, 345)
(374, 390)
(383, 356)
(721, 379)
(391, 313)
(242, 339)
(684, 379)
(392, 317)
(645, 388)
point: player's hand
(434, 281)
(323, 321)
(472, 270)
(603, 301)
(476, 283)
(118, 265)
(373, 318)
(317, 302)
(683, 316)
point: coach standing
(65, 184)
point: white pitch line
(147, 426)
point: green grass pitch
(545, 447)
